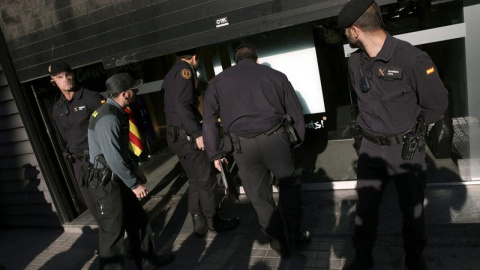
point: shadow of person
(448, 212)
(245, 247)
(14, 240)
(306, 155)
(387, 201)
(76, 255)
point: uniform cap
(121, 82)
(193, 51)
(351, 11)
(58, 67)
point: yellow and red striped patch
(430, 70)
(136, 145)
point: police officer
(253, 102)
(184, 137)
(397, 87)
(71, 113)
(117, 197)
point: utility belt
(286, 123)
(384, 140)
(95, 178)
(73, 157)
(412, 140)
(174, 134)
(82, 156)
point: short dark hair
(371, 19)
(245, 51)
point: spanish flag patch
(430, 70)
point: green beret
(351, 11)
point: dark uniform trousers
(376, 166)
(260, 156)
(119, 211)
(77, 168)
(201, 178)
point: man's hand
(217, 163)
(200, 144)
(141, 191)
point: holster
(356, 132)
(415, 139)
(172, 134)
(290, 130)
(236, 143)
(175, 133)
(226, 144)
(95, 178)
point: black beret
(121, 82)
(351, 11)
(58, 67)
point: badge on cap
(186, 73)
(430, 70)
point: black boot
(415, 264)
(361, 262)
(220, 224)
(155, 262)
(200, 227)
(279, 244)
(300, 238)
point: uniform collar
(246, 62)
(112, 102)
(77, 94)
(386, 52)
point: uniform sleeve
(211, 134)
(294, 108)
(108, 131)
(183, 103)
(432, 94)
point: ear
(354, 31)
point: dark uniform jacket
(181, 99)
(250, 99)
(404, 83)
(71, 117)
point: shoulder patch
(103, 101)
(430, 70)
(94, 114)
(186, 73)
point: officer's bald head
(245, 51)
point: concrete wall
(24, 197)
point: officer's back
(252, 97)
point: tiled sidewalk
(454, 241)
